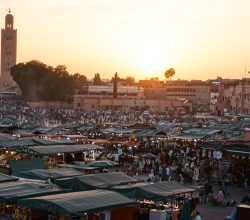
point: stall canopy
(157, 191)
(94, 181)
(12, 191)
(238, 149)
(77, 167)
(64, 141)
(5, 178)
(55, 149)
(13, 144)
(44, 174)
(77, 203)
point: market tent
(242, 149)
(63, 141)
(156, 191)
(94, 181)
(12, 191)
(77, 203)
(215, 146)
(4, 136)
(44, 174)
(77, 167)
(55, 149)
(16, 143)
(5, 178)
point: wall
(51, 104)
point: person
(220, 196)
(207, 190)
(168, 173)
(197, 216)
(180, 207)
(160, 172)
(151, 177)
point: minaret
(8, 53)
(115, 81)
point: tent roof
(93, 181)
(157, 191)
(64, 141)
(16, 143)
(77, 167)
(4, 136)
(43, 174)
(6, 178)
(50, 150)
(76, 203)
(12, 191)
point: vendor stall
(78, 203)
(95, 181)
(44, 174)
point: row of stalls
(109, 196)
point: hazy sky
(201, 39)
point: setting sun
(150, 63)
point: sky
(200, 39)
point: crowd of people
(15, 107)
(182, 161)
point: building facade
(100, 98)
(234, 99)
(8, 53)
(184, 91)
(129, 98)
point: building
(173, 107)
(234, 98)
(8, 53)
(129, 98)
(196, 91)
(99, 98)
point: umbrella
(149, 156)
(102, 164)
(185, 211)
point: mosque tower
(8, 53)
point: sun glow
(150, 58)
(150, 62)
(140, 38)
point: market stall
(6, 178)
(44, 174)
(78, 203)
(95, 181)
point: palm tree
(169, 73)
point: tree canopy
(37, 81)
(97, 80)
(169, 73)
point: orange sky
(139, 38)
